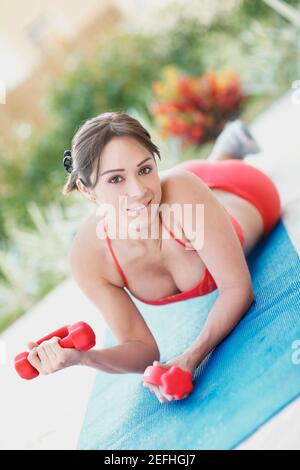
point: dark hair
(90, 139)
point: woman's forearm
(130, 357)
(226, 312)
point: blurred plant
(259, 8)
(170, 148)
(36, 260)
(196, 108)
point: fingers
(43, 354)
(146, 384)
(168, 397)
(34, 360)
(162, 396)
(159, 394)
(56, 347)
(150, 386)
(45, 357)
(31, 345)
(158, 391)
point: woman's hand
(49, 356)
(180, 361)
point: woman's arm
(130, 357)
(137, 347)
(223, 256)
(230, 306)
(226, 312)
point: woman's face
(128, 182)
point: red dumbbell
(78, 336)
(174, 381)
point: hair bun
(67, 161)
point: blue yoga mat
(247, 379)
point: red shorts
(248, 182)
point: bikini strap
(173, 236)
(114, 257)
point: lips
(138, 207)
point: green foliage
(35, 260)
(118, 77)
(259, 9)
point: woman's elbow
(245, 294)
(156, 354)
(248, 295)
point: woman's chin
(139, 224)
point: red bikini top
(204, 286)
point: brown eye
(113, 178)
(147, 167)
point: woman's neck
(148, 238)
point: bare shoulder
(87, 255)
(180, 187)
(216, 242)
(177, 183)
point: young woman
(112, 163)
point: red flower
(178, 127)
(196, 133)
(200, 106)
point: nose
(134, 188)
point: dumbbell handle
(78, 336)
(175, 381)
